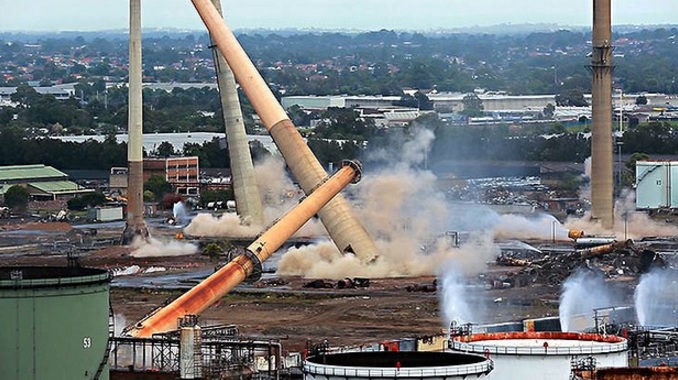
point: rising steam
(583, 292)
(454, 298)
(656, 298)
(153, 247)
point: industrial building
(183, 173)
(453, 102)
(43, 182)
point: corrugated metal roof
(59, 187)
(19, 172)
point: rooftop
(28, 172)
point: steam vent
(391, 365)
(542, 355)
(55, 323)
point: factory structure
(57, 315)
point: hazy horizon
(71, 16)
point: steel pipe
(243, 266)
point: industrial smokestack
(346, 232)
(135, 225)
(247, 198)
(601, 144)
(211, 289)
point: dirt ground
(283, 308)
(345, 317)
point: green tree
(571, 98)
(25, 95)
(549, 111)
(215, 196)
(87, 200)
(473, 106)
(158, 186)
(165, 149)
(641, 100)
(16, 197)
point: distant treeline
(496, 143)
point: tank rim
(474, 343)
(13, 277)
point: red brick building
(183, 173)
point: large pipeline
(605, 249)
(346, 231)
(248, 264)
(575, 234)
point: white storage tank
(656, 184)
(394, 364)
(542, 355)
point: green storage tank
(54, 323)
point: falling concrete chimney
(346, 231)
(601, 107)
(135, 225)
(247, 198)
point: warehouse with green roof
(43, 182)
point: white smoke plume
(656, 298)
(583, 292)
(585, 190)
(455, 298)
(119, 322)
(153, 247)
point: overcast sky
(87, 15)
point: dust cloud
(153, 247)
(628, 223)
(227, 225)
(279, 195)
(407, 217)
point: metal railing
(535, 350)
(415, 372)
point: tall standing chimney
(135, 176)
(247, 198)
(601, 107)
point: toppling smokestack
(135, 176)
(247, 198)
(601, 108)
(210, 290)
(605, 249)
(346, 232)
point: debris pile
(551, 269)
(347, 283)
